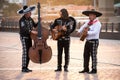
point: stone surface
(11, 54)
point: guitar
(84, 33)
(60, 32)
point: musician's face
(27, 15)
(60, 13)
(92, 16)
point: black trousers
(90, 50)
(63, 44)
(26, 44)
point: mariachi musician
(63, 42)
(92, 30)
(26, 25)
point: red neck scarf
(91, 22)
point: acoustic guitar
(84, 33)
(60, 32)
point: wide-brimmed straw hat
(26, 9)
(92, 11)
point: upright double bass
(40, 52)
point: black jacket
(26, 25)
(60, 21)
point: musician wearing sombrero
(26, 25)
(92, 30)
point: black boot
(26, 70)
(65, 68)
(58, 69)
(84, 71)
(93, 71)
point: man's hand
(64, 28)
(86, 29)
(78, 34)
(34, 32)
(55, 30)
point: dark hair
(65, 14)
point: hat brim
(98, 14)
(29, 9)
(74, 24)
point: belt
(92, 40)
(64, 38)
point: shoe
(94, 71)
(26, 70)
(66, 70)
(57, 70)
(84, 71)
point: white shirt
(94, 31)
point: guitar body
(45, 34)
(84, 34)
(58, 34)
(41, 52)
(43, 55)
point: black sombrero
(92, 11)
(26, 9)
(74, 24)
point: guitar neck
(39, 23)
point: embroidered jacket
(26, 25)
